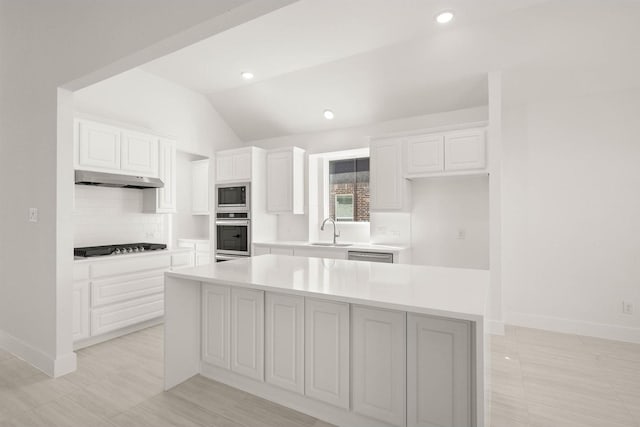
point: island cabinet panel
(216, 317)
(284, 341)
(379, 357)
(439, 372)
(327, 351)
(247, 332)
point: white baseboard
(577, 327)
(53, 367)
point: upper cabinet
(108, 148)
(387, 186)
(447, 153)
(200, 187)
(285, 181)
(139, 153)
(234, 165)
(163, 200)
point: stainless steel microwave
(233, 197)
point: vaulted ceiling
(377, 60)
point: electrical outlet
(462, 234)
(627, 307)
(33, 214)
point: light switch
(33, 214)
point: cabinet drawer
(110, 318)
(182, 260)
(119, 289)
(132, 265)
(80, 272)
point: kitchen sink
(331, 244)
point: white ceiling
(376, 60)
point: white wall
(571, 217)
(44, 46)
(450, 221)
(296, 227)
(104, 216)
(143, 100)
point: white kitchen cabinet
(247, 332)
(80, 314)
(425, 154)
(465, 150)
(97, 146)
(216, 317)
(388, 189)
(233, 165)
(163, 200)
(379, 355)
(261, 250)
(117, 316)
(200, 187)
(285, 181)
(139, 153)
(327, 351)
(319, 252)
(201, 250)
(438, 372)
(284, 341)
(126, 287)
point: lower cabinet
(216, 317)
(117, 316)
(284, 341)
(327, 351)
(247, 332)
(320, 253)
(379, 356)
(438, 372)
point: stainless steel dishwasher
(371, 256)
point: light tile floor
(539, 379)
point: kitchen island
(350, 342)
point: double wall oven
(233, 221)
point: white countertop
(448, 292)
(78, 260)
(352, 246)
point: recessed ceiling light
(328, 114)
(444, 17)
(247, 75)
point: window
(349, 189)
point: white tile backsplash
(105, 216)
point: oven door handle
(232, 222)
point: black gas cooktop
(127, 248)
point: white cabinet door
(98, 146)
(438, 372)
(327, 351)
(167, 173)
(385, 176)
(203, 258)
(242, 166)
(284, 341)
(465, 150)
(319, 252)
(425, 154)
(379, 356)
(247, 332)
(200, 187)
(233, 165)
(285, 181)
(280, 181)
(117, 316)
(224, 167)
(139, 154)
(80, 310)
(216, 316)
(122, 288)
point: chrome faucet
(335, 233)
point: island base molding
(315, 408)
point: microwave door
(232, 196)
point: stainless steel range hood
(102, 179)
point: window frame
(326, 193)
